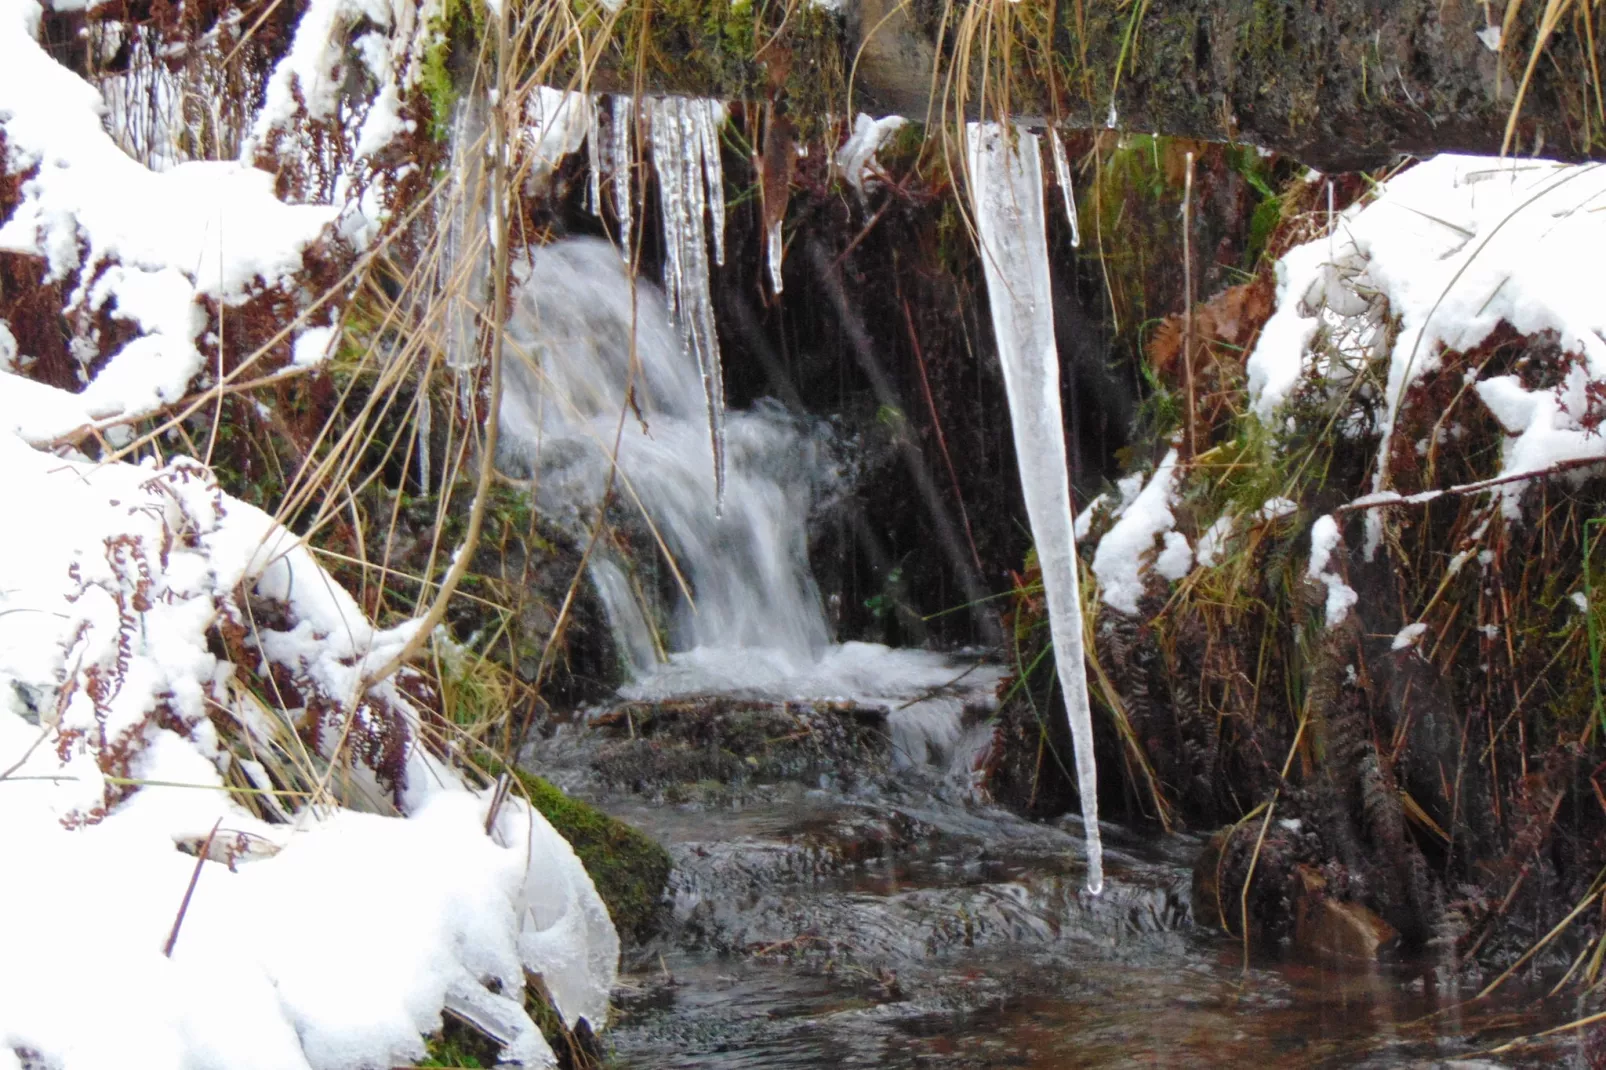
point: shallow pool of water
(817, 928)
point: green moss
(456, 1045)
(710, 48)
(453, 32)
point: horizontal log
(1340, 84)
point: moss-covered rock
(629, 868)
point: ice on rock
(1006, 183)
(556, 122)
(685, 152)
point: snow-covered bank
(328, 938)
(224, 845)
(1446, 252)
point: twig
(936, 423)
(183, 908)
(1187, 297)
(1375, 501)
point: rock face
(1341, 84)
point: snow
(1455, 246)
(1176, 559)
(144, 244)
(1324, 539)
(313, 346)
(106, 671)
(327, 930)
(312, 73)
(1084, 519)
(1214, 541)
(1006, 189)
(1123, 554)
(384, 122)
(857, 157)
(1277, 508)
(1409, 636)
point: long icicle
(710, 118)
(1006, 188)
(594, 151)
(623, 141)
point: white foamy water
(753, 624)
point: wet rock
(689, 747)
(1327, 928)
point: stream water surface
(907, 928)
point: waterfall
(1006, 182)
(749, 619)
(567, 408)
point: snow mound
(1125, 553)
(1451, 249)
(331, 939)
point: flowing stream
(841, 912)
(843, 893)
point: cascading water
(753, 622)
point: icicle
(594, 154)
(678, 152)
(710, 117)
(1006, 186)
(555, 125)
(464, 268)
(423, 440)
(1062, 175)
(623, 142)
(776, 249)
